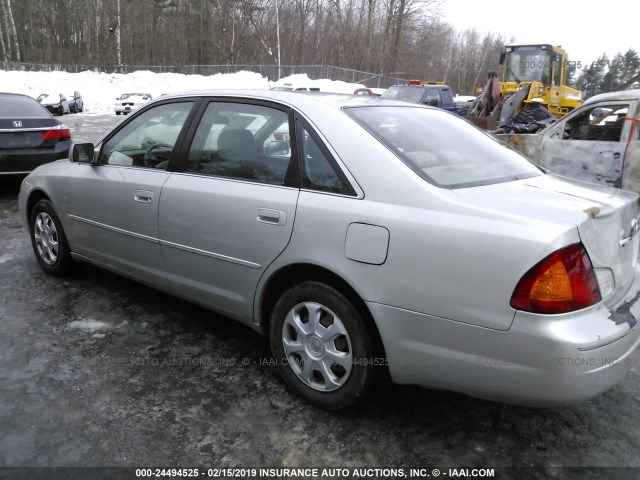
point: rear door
(229, 212)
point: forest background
(374, 42)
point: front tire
(322, 346)
(48, 239)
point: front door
(112, 206)
(589, 144)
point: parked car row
(59, 104)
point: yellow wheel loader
(530, 88)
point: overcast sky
(584, 29)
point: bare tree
(3, 48)
(12, 29)
(118, 39)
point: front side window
(442, 148)
(601, 123)
(147, 140)
(242, 141)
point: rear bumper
(25, 160)
(541, 360)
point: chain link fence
(272, 72)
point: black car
(76, 105)
(29, 135)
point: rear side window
(442, 148)
(318, 170)
(447, 96)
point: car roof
(298, 99)
(614, 96)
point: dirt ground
(96, 371)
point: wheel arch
(34, 197)
(287, 276)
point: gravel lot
(96, 370)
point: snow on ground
(100, 90)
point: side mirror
(82, 153)
(433, 102)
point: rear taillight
(60, 132)
(562, 282)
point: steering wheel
(156, 154)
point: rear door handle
(272, 217)
(143, 196)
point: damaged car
(388, 240)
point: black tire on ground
(48, 239)
(117, 113)
(327, 359)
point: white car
(128, 102)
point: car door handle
(272, 217)
(143, 196)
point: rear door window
(242, 141)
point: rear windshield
(19, 106)
(442, 148)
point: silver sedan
(364, 237)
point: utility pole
(278, 36)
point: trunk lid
(606, 219)
(28, 135)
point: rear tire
(322, 346)
(48, 239)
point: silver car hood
(606, 219)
